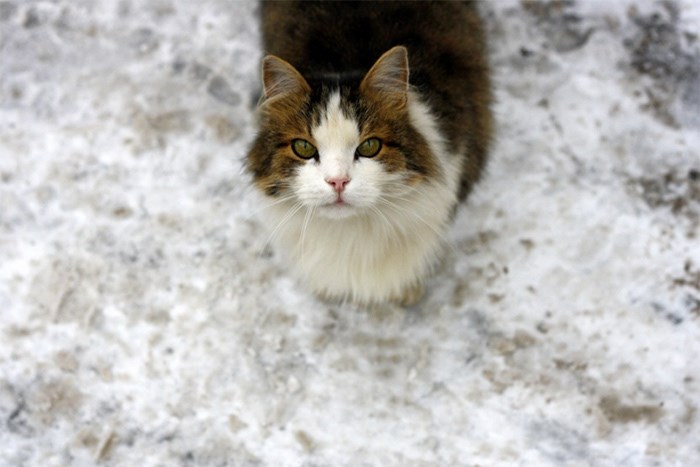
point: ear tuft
(389, 75)
(280, 78)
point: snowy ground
(143, 321)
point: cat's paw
(411, 295)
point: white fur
(336, 137)
(387, 236)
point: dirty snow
(143, 320)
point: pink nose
(338, 183)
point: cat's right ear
(280, 78)
(389, 76)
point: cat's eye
(369, 147)
(303, 149)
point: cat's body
(364, 158)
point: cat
(374, 124)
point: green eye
(303, 149)
(369, 147)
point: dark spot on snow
(122, 212)
(7, 10)
(175, 121)
(178, 66)
(124, 8)
(660, 49)
(618, 412)
(200, 72)
(693, 304)
(144, 40)
(561, 24)
(672, 191)
(17, 421)
(221, 90)
(671, 316)
(525, 52)
(691, 277)
(33, 19)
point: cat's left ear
(280, 78)
(389, 76)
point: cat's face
(339, 150)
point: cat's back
(446, 48)
(340, 36)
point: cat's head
(341, 146)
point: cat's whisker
(405, 214)
(260, 210)
(284, 220)
(277, 185)
(410, 214)
(402, 187)
(413, 215)
(400, 191)
(307, 218)
(275, 203)
(388, 226)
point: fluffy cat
(374, 124)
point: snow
(144, 320)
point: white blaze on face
(336, 138)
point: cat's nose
(338, 183)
